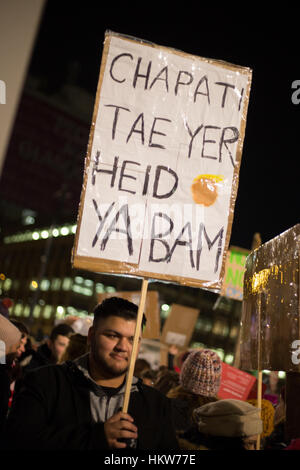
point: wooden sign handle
(135, 345)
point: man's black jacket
(52, 411)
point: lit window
(78, 279)
(100, 288)
(88, 283)
(55, 232)
(33, 285)
(37, 311)
(45, 234)
(35, 235)
(64, 231)
(18, 309)
(110, 289)
(74, 227)
(60, 312)
(67, 283)
(26, 312)
(45, 284)
(281, 374)
(229, 359)
(7, 284)
(47, 311)
(56, 283)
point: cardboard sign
(235, 383)
(179, 326)
(233, 281)
(152, 311)
(162, 167)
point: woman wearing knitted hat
(200, 379)
(223, 425)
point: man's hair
(21, 327)
(62, 329)
(118, 307)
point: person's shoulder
(153, 393)
(44, 373)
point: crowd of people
(68, 393)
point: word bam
(2, 92)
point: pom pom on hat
(201, 373)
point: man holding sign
(77, 405)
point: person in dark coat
(199, 383)
(52, 351)
(76, 405)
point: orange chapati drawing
(205, 189)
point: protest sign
(233, 281)
(179, 326)
(235, 383)
(162, 166)
(152, 311)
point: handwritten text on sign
(163, 161)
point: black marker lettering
(178, 82)
(203, 79)
(124, 212)
(146, 181)
(140, 131)
(210, 244)
(164, 79)
(226, 85)
(112, 172)
(159, 169)
(156, 237)
(205, 141)
(123, 175)
(231, 140)
(192, 136)
(116, 117)
(113, 64)
(188, 243)
(153, 131)
(137, 74)
(102, 220)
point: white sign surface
(162, 174)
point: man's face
(58, 346)
(111, 341)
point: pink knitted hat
(201, 373)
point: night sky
(267, 42)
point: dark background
(267, 42)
